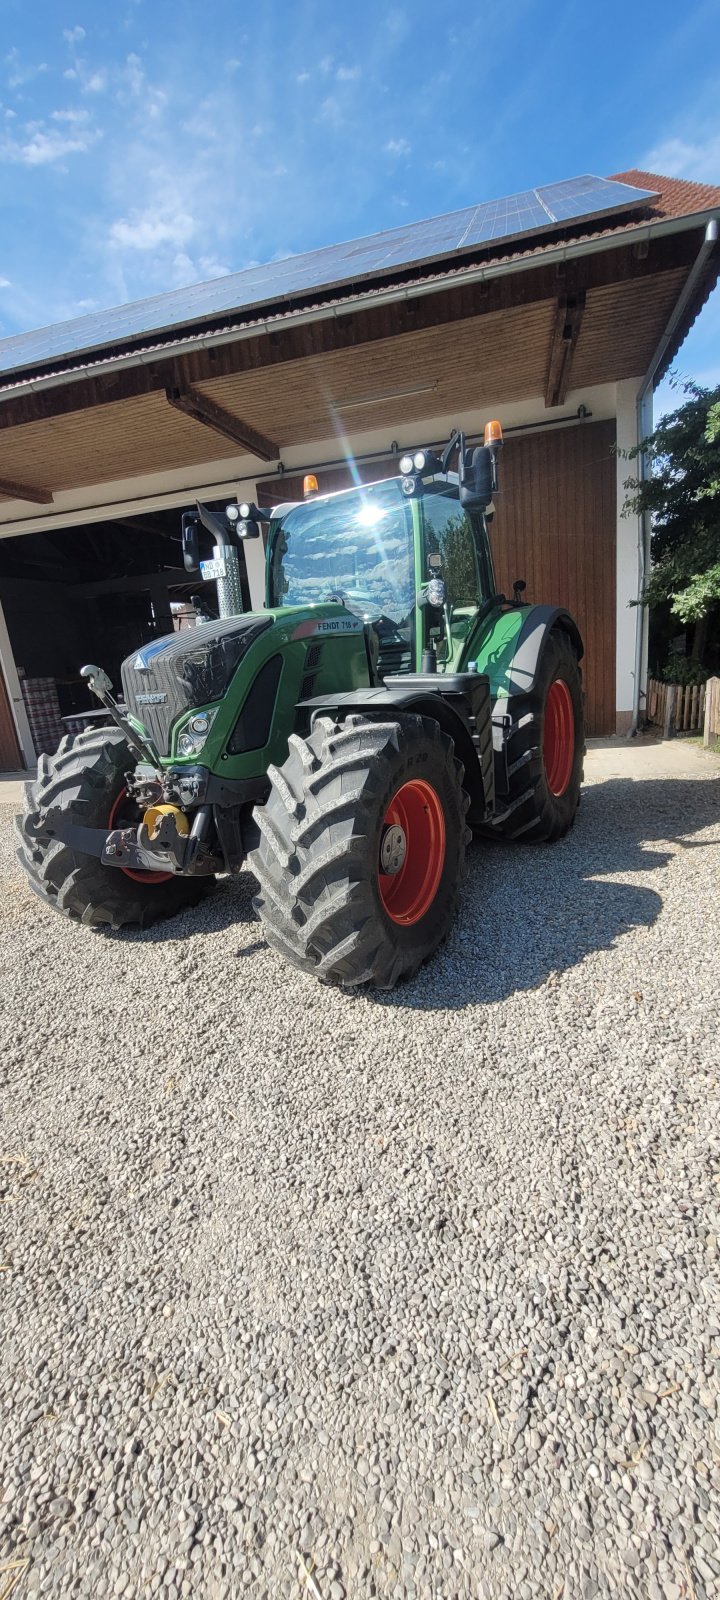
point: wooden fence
(685, 708)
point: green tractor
(345, 743)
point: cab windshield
(355, 547)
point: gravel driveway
(410, 1296)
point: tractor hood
(192, 668)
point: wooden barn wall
(555, 527)
(9, 750)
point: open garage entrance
(90, 593)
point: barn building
(556, 310)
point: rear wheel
(85, 780)
(362, 848)
(545, 748)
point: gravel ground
(409, 1296)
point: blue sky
(146, 144)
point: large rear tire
(545, 749)
(85, 780)
(362, 849)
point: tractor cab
(410, 556)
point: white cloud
(5, 283)
(134, 74)
(73, 35)
(397, 24)
(303, 77)
(20, 72)
(398, 147)
(42, 147)
(697, 159)
(148, 229)
(186, 269)
(95, 83)
(330, 111)
(347, 74)
(70, 116)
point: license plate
(213, 569)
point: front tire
(85, 779)
(362, 849)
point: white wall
(17, 704)
(629, 536)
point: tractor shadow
(528, 912)
(228, 905)
(525, 912)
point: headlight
(406, 465)
(419, 461)
(194, 734)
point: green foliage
(682, 495)
(683, 670)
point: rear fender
(537, 624)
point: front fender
(461, 708)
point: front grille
(184, 670)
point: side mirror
(190, 542)
(477, 478)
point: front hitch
(165, 850)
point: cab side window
(449, 533)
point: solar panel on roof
(529, 212)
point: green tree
(682, 495)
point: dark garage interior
(93, 593)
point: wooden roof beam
(196, 405)
(24, 491)
(568, 318)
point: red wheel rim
(558, 737)
(152, 879)
(408, 893)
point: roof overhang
(564, 316)
(340, 305)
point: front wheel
(85, 780)
(362, 849)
